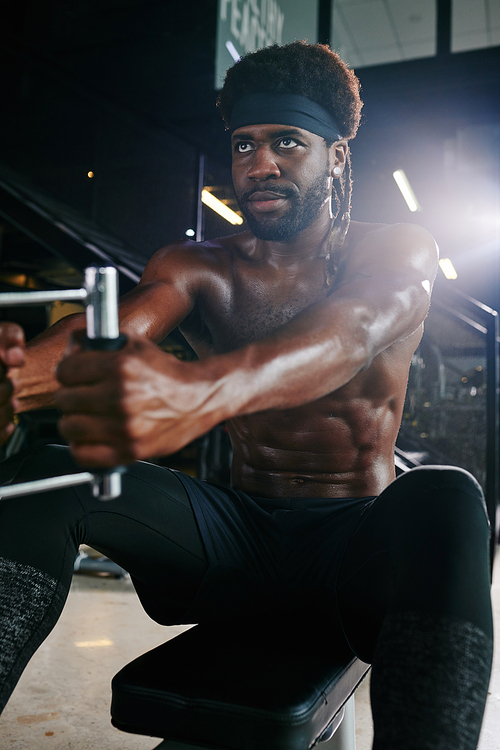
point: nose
(263, 165)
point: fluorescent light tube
(233, 51)
(447, 268)
(216, 205)
(406, 190)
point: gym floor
(62, 700)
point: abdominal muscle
(339, 446)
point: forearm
(274, 374)
(140, 312)
(35, 382)
(317, 353)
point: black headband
(284, 109)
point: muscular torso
(341, 445)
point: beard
(303, 208)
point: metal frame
(485, 320)
(343, 738)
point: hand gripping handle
(100, 296)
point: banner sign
(246, 25)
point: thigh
(421, 546)
(150, 530)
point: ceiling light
(447, 268)
(216, 205)
(233, 51)
(406, 190)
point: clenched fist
(131, 404)
(11, 355)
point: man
(305, 327)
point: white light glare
(447, 268)
(406, 190)
(190, 232)
(216, 205)
(233, 51)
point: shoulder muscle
(395, 248)
(168, 289)
(389, 273)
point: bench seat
(241, 686)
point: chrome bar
(42, 485)
(101, 285)
(21, 299)
(107, 485)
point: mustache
(281, 192)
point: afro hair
(312, 70)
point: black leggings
(404, 576)
(422, 545)
(150, 531)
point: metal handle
(100, 297)
(101, 284)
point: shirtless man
(304, 327)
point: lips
(264, 201)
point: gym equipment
(243, 685)
(100, 297)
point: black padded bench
(235, 686)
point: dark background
(125, 88)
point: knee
(52, 512)
(46, 461)
(430, 479)
(436, 482)
(439, 495)
(38, 463)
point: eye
(243, 147)
(287, 143)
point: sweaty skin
(311, 379)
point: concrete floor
(62, 700)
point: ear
(338, 157)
